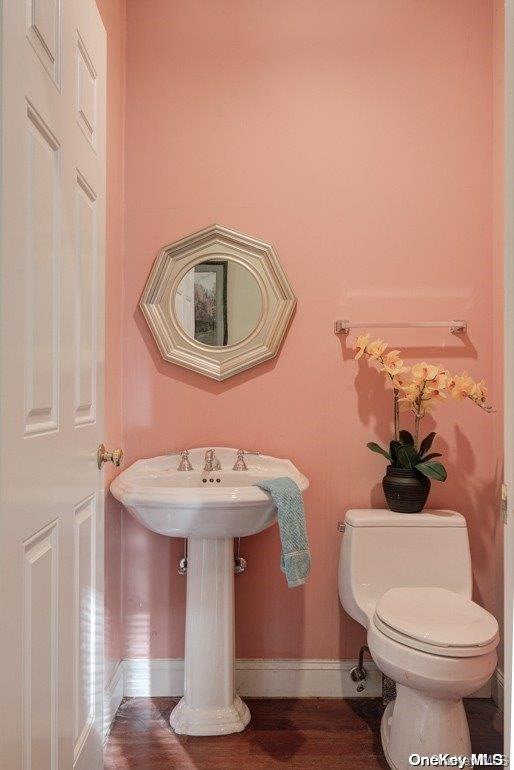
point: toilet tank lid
(381, 517)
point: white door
(51, 384)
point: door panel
(85, 607)
(51, 384)
(41, 296)
(86, 305)
(43, 31)
(40, 646)
(86, 88)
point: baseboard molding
(257, 678)
(152, 677)
(113, 695)
(262, 678)
(498, 687)
(304, 678)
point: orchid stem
(396, 416)
(416, 431)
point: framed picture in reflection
(210, 301)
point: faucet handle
(240, 464)
(185, 463)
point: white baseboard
(256, 678)
(113, 695)
(147, 677)
(304, 678)
(497, 688)
(262, 678)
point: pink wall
(357, 137)
(113, 14)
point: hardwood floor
(297, 734)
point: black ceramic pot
(406, 491)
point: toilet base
(416, 723)
(385, 728)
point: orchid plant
(417, 389)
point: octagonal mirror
(218, 302)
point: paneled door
(51, 384)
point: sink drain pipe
(240, 562)
(182, 562)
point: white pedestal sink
(210, 509)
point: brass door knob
(103, 456)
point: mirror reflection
(218, 302)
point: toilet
(407, 579)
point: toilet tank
(381, 549)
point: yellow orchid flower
(376, 349)
(437, 394)
(424, 371)
(479, 396)
(437, 387)
(420, 388)
(406, 404)
(443, 378)
(461, 386)
(410, 396)
(392, 364)
(360, 345)
(400, 382)
(479, 392)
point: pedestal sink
(209, 509)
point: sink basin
(209, 509)
(222, 503)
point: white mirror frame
(158, 302)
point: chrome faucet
(184, 462)
(211, 461)
(240, 463)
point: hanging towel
(295, 560)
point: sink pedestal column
(210, 705)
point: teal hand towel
(295, 561)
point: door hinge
(504, 504)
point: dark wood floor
(306, 734)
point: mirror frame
(213, 243)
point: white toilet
(407, 579)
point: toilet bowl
(407, 579)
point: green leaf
(406, 437)
(430, 456)
(433, 470)
(378, 449)
(393, 451)
(426, 443)
(407, 456)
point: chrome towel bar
(456, 327)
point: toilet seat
(436, 621)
